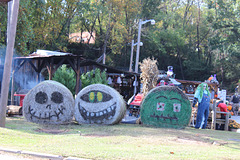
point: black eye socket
(57, 97)
(96, 96)
(41, 97)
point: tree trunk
(107, 37)
(198, 37)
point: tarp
(176, 83)
(137, 100)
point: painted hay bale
(99, 104)
(49, 102)
(166, 106)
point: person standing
(235, 103)
(202, 96)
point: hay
(99, 104)
(166, 106)
(49, 102)
(149, 75)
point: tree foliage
(197, 38)
(94, 77)
(66, 76)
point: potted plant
(233, 125)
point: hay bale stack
(49, 102)
(99, 104)
(166, 106)
(149, 75)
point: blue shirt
(197, 95)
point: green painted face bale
(166, 106)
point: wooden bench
(190, 97)
(217, 120)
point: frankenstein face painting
(166, 106)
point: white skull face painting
(99, 104)
(49, 103)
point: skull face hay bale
(49, 102)
(166, 106)
(99, 104)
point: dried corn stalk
(149, 75)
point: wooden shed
(36, 63)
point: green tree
(223, 17)
(42, 24)
(66, 76)
(180, 37)
(94, 77)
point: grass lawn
(123, 141)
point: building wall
(82, 37)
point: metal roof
(58, 56)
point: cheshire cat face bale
(99, 104)
(49, 102)
(166, 106)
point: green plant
(233, 124)
(94, 77)
(66, 76)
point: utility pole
(138, 40)
(8, 61)
(131, 58)
(138, 46)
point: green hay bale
(99, 104)
(49, 102)
(166, 106)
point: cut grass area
(123, 141)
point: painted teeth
(98, 117)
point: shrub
(66, 76)
(94, 77)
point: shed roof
(60, 56)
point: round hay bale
(99, 104)
(49, 102)
(166, 106)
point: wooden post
(213, 126)
(226, 121)
(77, 89)
(50, 68)
(12, 88)
(8, 62)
